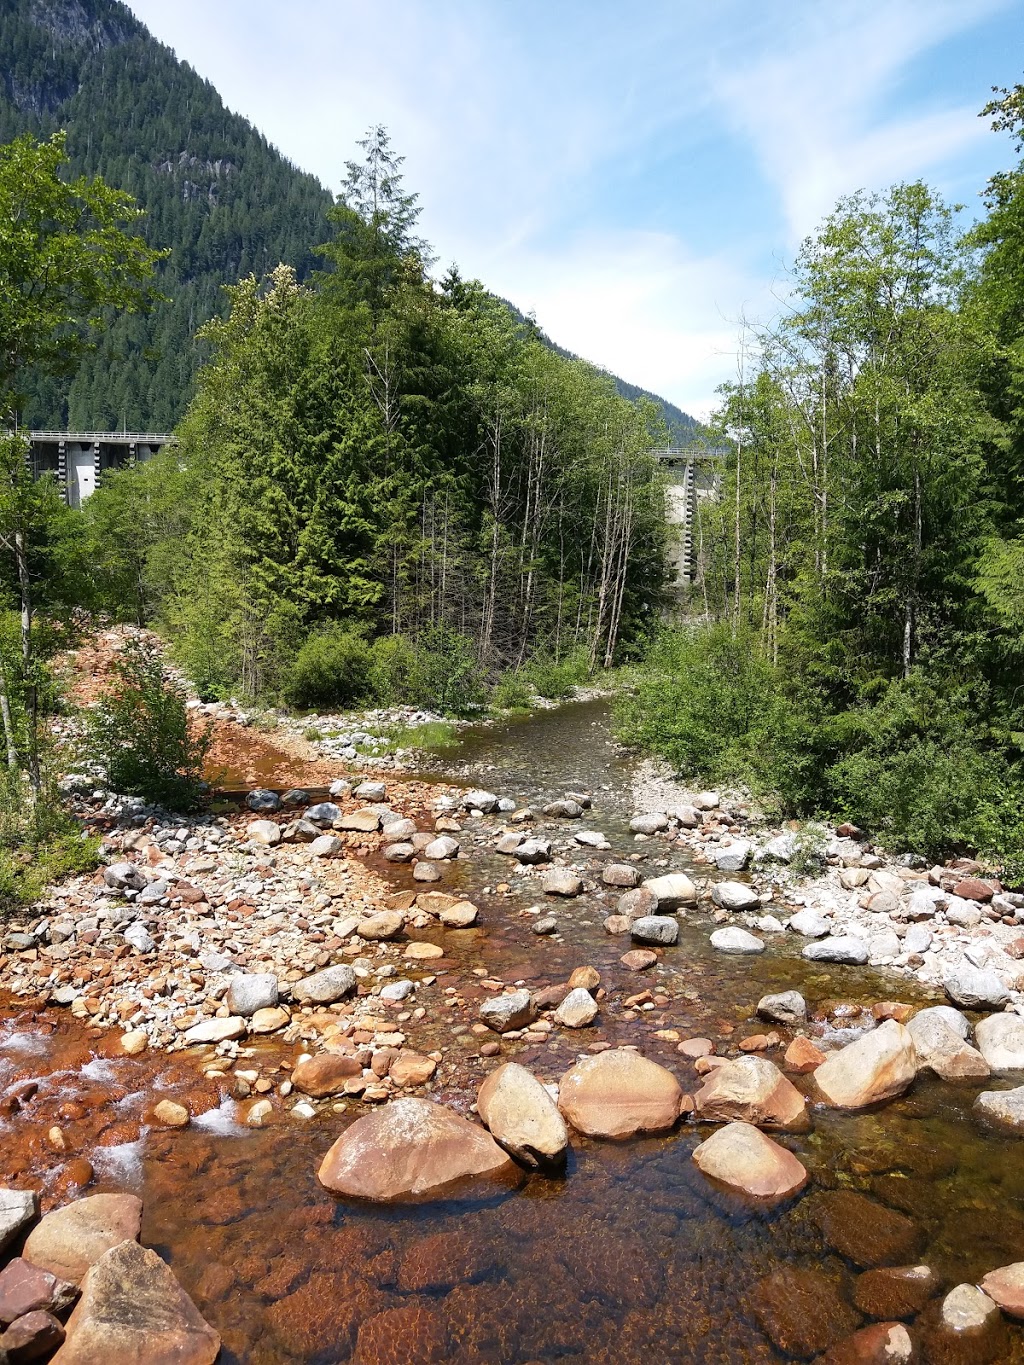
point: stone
(637, 903)
(442, 848)
(169, 1114)
(652, 823)
(1005, 1108)
(324, 988)
(262, 799)
(269, 1020)
(923, 902)
(69, 1240)
(31, 1337)
(975, 988)
(410, 1148)
(655, 929)
(263, 832)
(968, 1329)
(942, 1050)
(753, 1090)
(696, 1047)
(707, 801)
(672, 891)
(567, 809)
(1000, 1040)
(964, 914)
(363, 821)
(132, 1310)
(326, 846)
(414, 1334)
(370, 791)
(974, 889)
(884, 947)
(621, 874)
(801, 1311)
(619, 1094)
(740, 1157)
(549, 925)
(295, 796)
(27, 1288)
(864, 1231)
(18, 1208)
(895, 1291)
(735, 896)
(638, 959)
(787, 1007)
(397, 990)
(781, 849)
(509, 1011)
(534, 850)
(522, 1116)
(853, 877)
(732, 857)
(1004, 1286)
(400, 853)
(385, 925)
(561, 881)
(134, 1042)
(124, 877)
(917, 939)
(252, 991)
(802, 1056)
(809, 924)
(853, 952)
(396, 828)
(589, 978)
(460, 915)
(480, 800)
(411, 1068)
(216, 1030)
(882, 1343)
(876, 1067)
(423, 951)
(577, 1010)
(953, 1018)
(137, 936)
(735, 940)
(325, 1073)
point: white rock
(735, 895)
(735, 940)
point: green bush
(448, 676)
(512, 691)
(40, 841)
(331, 669)
(394, 671)
(555, 679)
(140, 736)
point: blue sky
(638, 175)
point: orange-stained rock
(741, 1157)
(522, 1116)
(134, 1312)
(883, 1343)
(753, 1090)
(414, 1334)
(410, 1148)
(892, 1009)
(410, 1068)
(325, 1074)
(802, 1056)
(876, 1067)
(618, 1094)
(70, 1240)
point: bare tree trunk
(5, 711)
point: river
(629, 1257)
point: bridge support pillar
(62, 468)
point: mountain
(214, 189)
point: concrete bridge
(79, 457)
(694, 472)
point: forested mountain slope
(215, 192)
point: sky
(639, 176)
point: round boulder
(740, 1157)
(522, 1116)
(619, 1094)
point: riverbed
(629, 1256)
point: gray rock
(689, 817)
(506, 805)
(735, 896)
(787, 1007)
(652, 823)
(809, 923)
(124, 877)
(577, 1010)
(547, 925)
(841, 948)
(779, 850)
(885, 946)
(139, 938)
(217, 963)
(975, 988)
(399, 853)
(564, 810)
(323, 988)
(295, 796)
(154, 892)
(1003, 1107)
(370, 791)
(324, 813)
(637, 903)
(264, 832)
(591, 838)
(325, 846)
(918, 939)
(950, 1017)
(506, 1012)
(480, 800)
(252, 991)
(397, 990)
(735, 940)
(1000, 1039)
(441, 848)
(399, 829)
(655, 929)
(508, 843)
(300, 831)
(707, 800)
(18, 1208)
(732, 857)
(561, 881)
(673, 890)
(923, 902)
(534, 850)
(263, 800)
(425, 871)
(339, 788)
(965, 914)
(620, 874)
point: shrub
(512, 692)
(332, 669)
(40, 841)
(140, 736)
(394, 671)
(555, 679)
(448, 677)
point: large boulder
(1000, 1039)
(975, 988)
(324, 988)
(68, 1241)
(787, 1007)
(522, 1116)
(618, 1094)
(133, 1310)
(411, 1148)
(853, 952)
(672, 891)
(735, 896)
(655, 929)
(480, 800)
(740, 1157)
(876, 1067)
(1005, 1108)
(252, 991)
(736, 940)
(753, 1090)
(513, 1010)
(941, 1049)
(732, 857)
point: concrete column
(62, 468)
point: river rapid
(630, 1256)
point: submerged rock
(802, 1311)
(895, 1291)
(1005, 1287)
(741, 1157)
(409, 1148)
(876, 1067)
(883, 1343)
(522, 1116)
(618, 1094)
(864, 1231)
